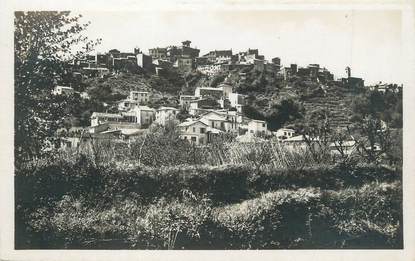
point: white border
(7, 251)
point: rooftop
(108, 115)
(256, 121)
(64, 87)
(189, 123)
(210, 88)
(167, 108)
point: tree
(283, 112)
(373, 139)
(44, 42)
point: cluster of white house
(207, 119)
(205, 123)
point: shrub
(275, 220)
(370, 216)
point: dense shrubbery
(120, 215)
(80, 205)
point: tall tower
(349, 71)
(186, 43)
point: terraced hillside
(337, 103)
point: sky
(369, 41)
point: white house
(194, 131)
(226, 88)
(144, 115)
(127, 104)
(63, 90)
(237, 101)
(98, 118)
(284, 133)
(257, 127)
(220, 121)
(185, 100)
(164, 114)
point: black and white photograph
(209, 128)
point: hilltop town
(219, 92)
(174, 148)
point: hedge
(365, 217)
(222, 184)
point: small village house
(226, 89)
(202, 92)
(127, 104)
(164, 114)
(284, 133)
(63, 90)
(98, 118)
(194, 131)
(257, 127)
(137, 117)
(144, 61)
(237, 101)
(143, 115)
(185, 100)
(220, 121)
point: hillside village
(174, 148)
(208, 95)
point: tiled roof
(189, 123)
(104, 114)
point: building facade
(139, 96)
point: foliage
(171, 81)
(105, 94)
(385, 106)
(217, 79)
(43, 43)
(373, 140)
(283, 112)
(362, 217)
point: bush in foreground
(366, 217)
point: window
(251, 131)
(194, 129)
(193, 139)
(263, 125)
(202, 130)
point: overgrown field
(80, 204)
